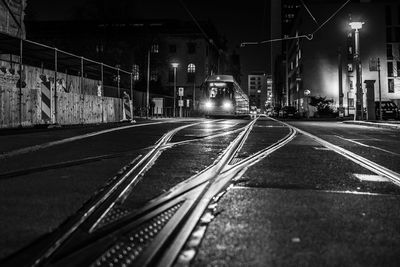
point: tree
(323, 105)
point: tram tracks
(376, 168)
(156, 234)
(86, 240)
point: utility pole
(341, 110)
(380, 90)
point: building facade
(148, 48)
(259, 90)
(325, 65)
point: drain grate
(130, 246)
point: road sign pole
(180, 107)
(380, 92)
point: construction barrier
(127, 114)
(45, 89)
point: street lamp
(175, 66)
(359, 95)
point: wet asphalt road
(303, 205)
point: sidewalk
(18, 138)
(23, 140)
(380, 124)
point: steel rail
(47, 246)
(106, 235)
(215, 179)
(366, 163)
(188, 200)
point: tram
(222, 96)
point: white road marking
(370, 177)
(364, 145)
(321, 148)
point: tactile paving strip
(130, 246)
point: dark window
(154, 75)
(398, 68)
(389, 51)
(172, 48)
(191, 48)
(389, 34)
(391, 85)
(390, 69)
(397, 34)
(350, 67)
(190, 77)
(388, 15)
(398, 13)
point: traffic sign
(180, 91)
(180, 103)
(307, 92)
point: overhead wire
(210, 40)
(308, 36)
(309, 12)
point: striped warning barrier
(45, 89)
(127, 108)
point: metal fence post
(20, 82)
(55, 86)
(102, 91)
(119, 90)
(81, 92)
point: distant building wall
(12, 23)
(317, 66)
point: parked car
(287, 112)
(273, 112)
(389, 110)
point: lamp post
(175, 66)
(148, 84)
(359, 95)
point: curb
(375, 124)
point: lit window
(191, 68)
(154, 48)
(135, 71)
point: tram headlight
(227, 105)
(208, 105)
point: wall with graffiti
(42, 100)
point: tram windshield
(220, 91)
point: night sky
(237, 22)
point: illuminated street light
(175, 66)
(359, 95)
